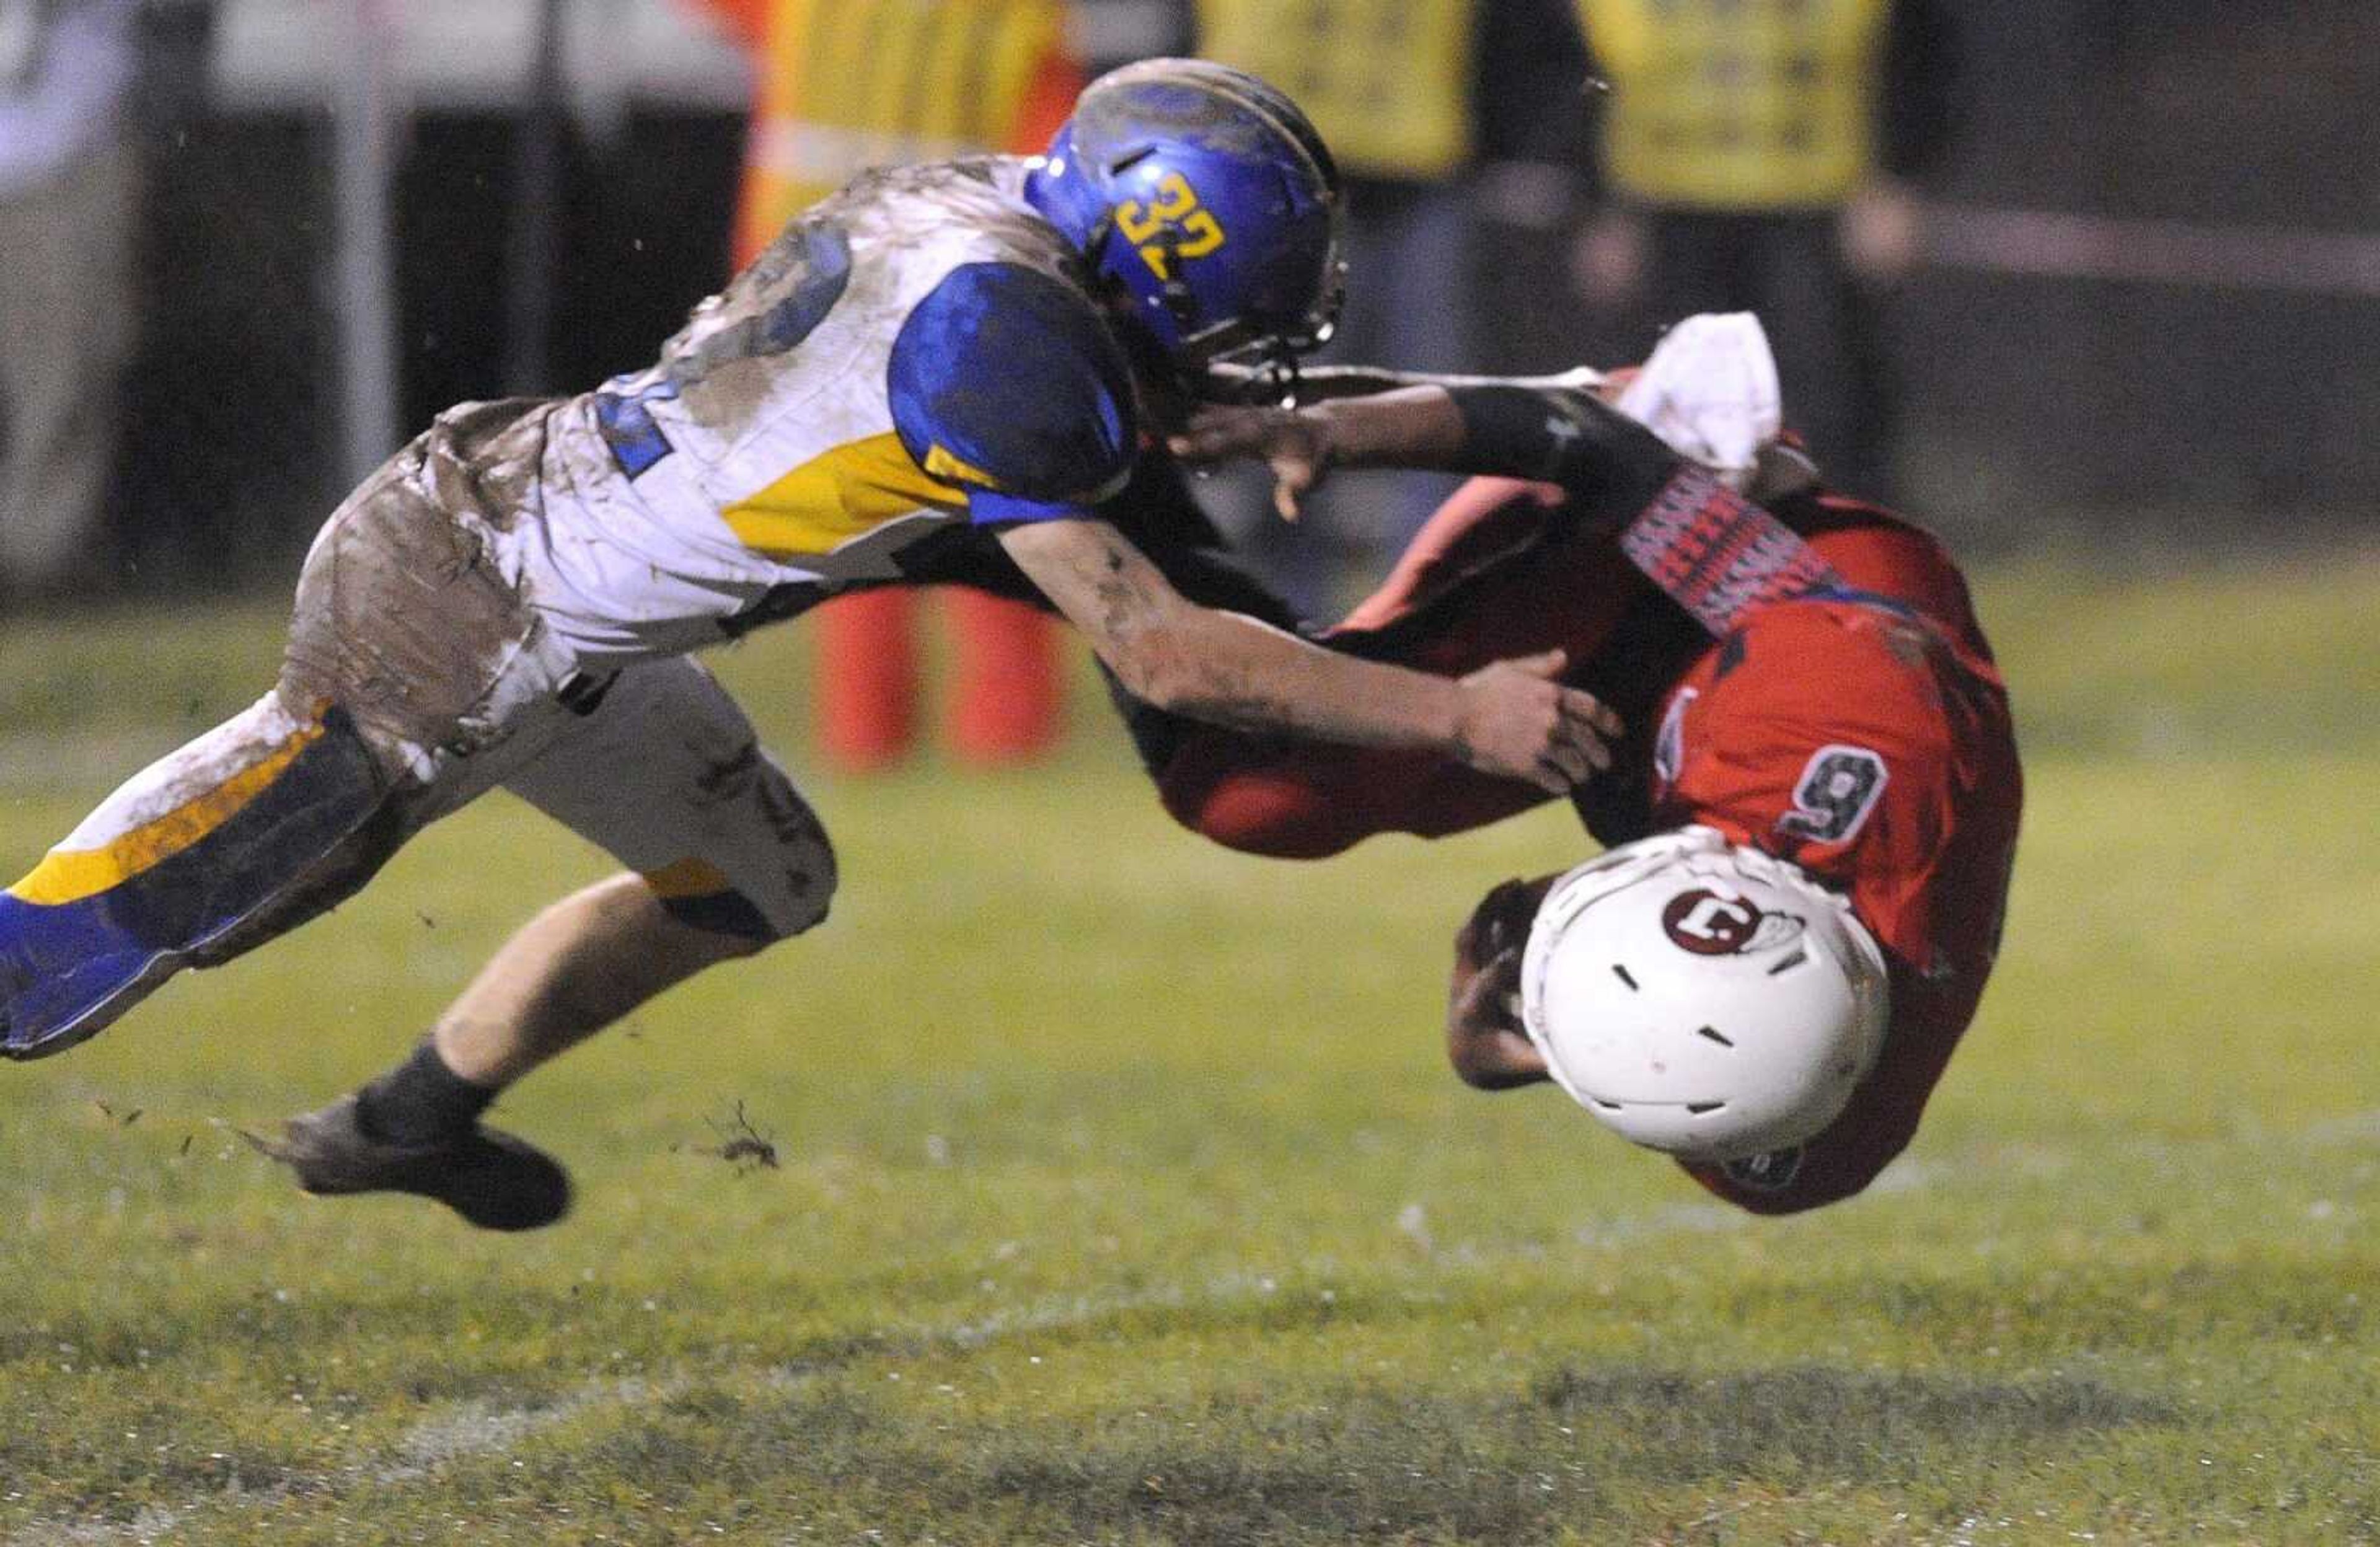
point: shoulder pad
(1006, 379)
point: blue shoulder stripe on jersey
(1006, 379)
(990, 507)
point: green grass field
(1124, 1196)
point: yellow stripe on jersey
(941, 464)
(70, 875)
(847, 493)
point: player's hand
(1484, 1003)
(1500, 923)
(1296, 446)
(1518, 723)
(1485, 1040)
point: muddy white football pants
(417, 678)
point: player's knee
(811, 882)
(804, 857)
(738, 923)
(780, 886)
(747, 920)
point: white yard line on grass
(466, 1430)
(470, 1429)
(2360, 1129)
(457, 1433)
(154, 1523)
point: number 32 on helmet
(1207, 198)
(1172, 229)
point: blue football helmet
(1206, 196)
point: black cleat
(495, 1181)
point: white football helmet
(1701, 999)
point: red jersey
(1862, 734)
(1865, 744)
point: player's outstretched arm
(1717, 553)
(1247, 386)
(1509, 719)
(1404, 426)
(1555, 430)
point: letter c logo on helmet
(1710, 924)
(1703, 998)
(1208, 198)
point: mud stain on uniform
(401, 618)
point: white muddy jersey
(915, 353)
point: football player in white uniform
(935, 360)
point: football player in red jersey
(1810, 822)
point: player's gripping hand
(1484, 1038)
(1516, 722)
(1417, 426)
(1499, 928)
(1295, 444)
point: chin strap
(1282, 383)
(1173, 292)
